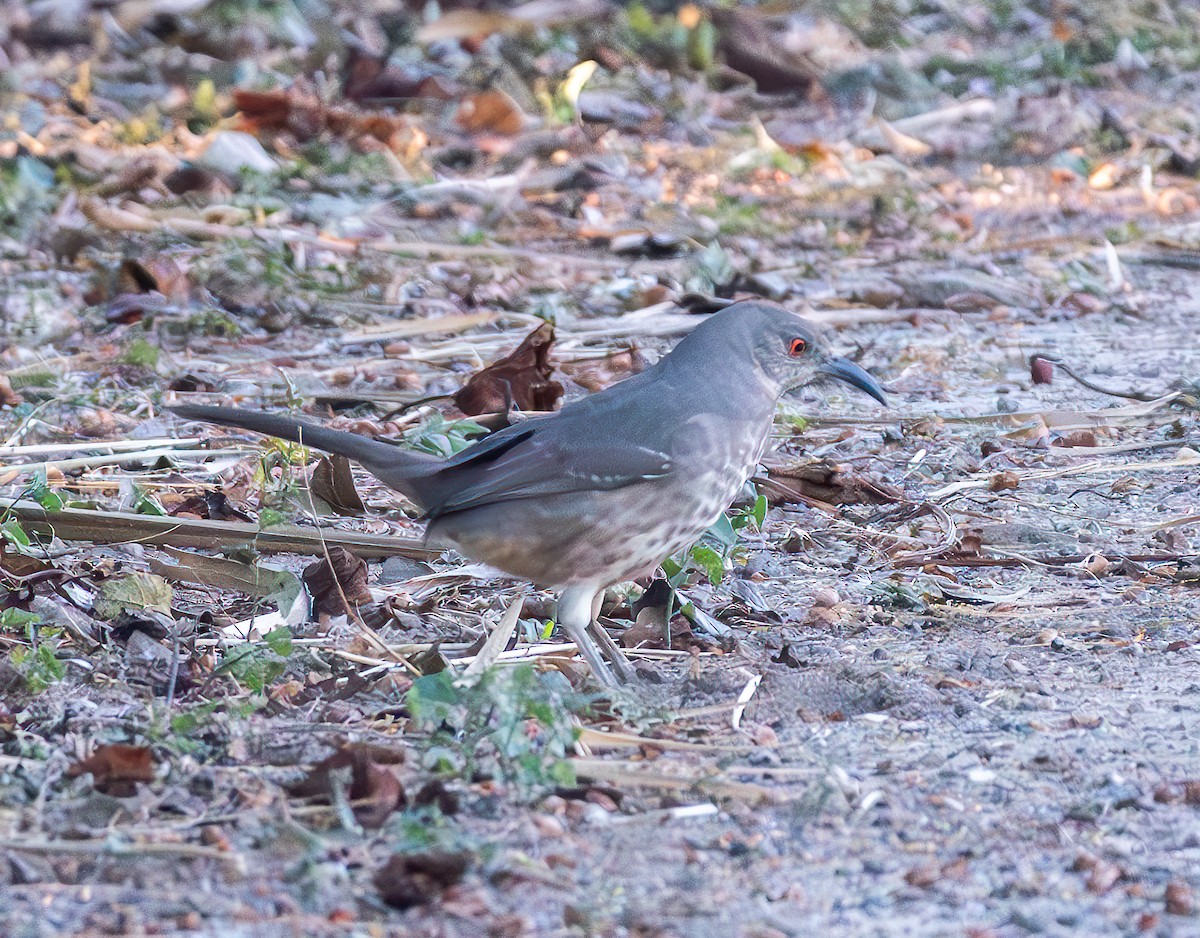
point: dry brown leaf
(1002, 481)
(520, 380)
(116, 768)
(368, 782)
(600, 373)
(490, 112)
(9, 397)
(1075, 438)
(331, 587)
(1041, 370)
(213, 506)
(407, 880)
(333, 482)
(305, 116)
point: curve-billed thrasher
(607, 488)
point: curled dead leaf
(333, 482)
(333, 582)
(1041, 370)
(1179, 898)
(599, 374)
(521, 379)
(9, 397)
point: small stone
(1179, 898)
(548, 826)
(825, 598)
(923, 876)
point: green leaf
(18, 620)
(140, 352)
(431, 694)
(39, 490)
(280, 641)
(12, 531)
(562, 773)
(269, 517)
(760, 511)
(710, 563)
(722, 532)
(146, 504)
(135, 591)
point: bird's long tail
(396, 467)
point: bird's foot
(623, 667)
(592, 655)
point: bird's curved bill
(845, 370)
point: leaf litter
(969, 607)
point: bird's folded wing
(533, 466)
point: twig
(1055, 560)
(110, 459)
(1070, 373)
(117, 446)
(631, 773)
(413, 327)
(116, 849)
(432, 249)
(116, 527)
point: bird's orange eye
(797, 347)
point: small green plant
(142, 353)
(276, 492)
(13, 535)
(514, 723)
(716, 547)
(36, 661)
(38, 489)
(144, 503)
(260, 664)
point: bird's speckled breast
(605, 537)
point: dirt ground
(948, 688)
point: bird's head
(787, 352)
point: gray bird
(607, 488)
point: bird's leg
(574, 615)
(612, 651)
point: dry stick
(432, 249)
(1057, 560)
(88, 462)
(496, 643)
(409, 328)
(631, 773)
(1127, 395)
(118, 446)
(100, 847)
(116, 527)
(954, 488)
